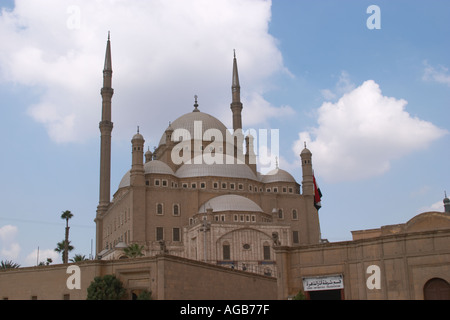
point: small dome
(121, 245)
(230, 202)
(125, 182)
(157, 166)
(150, 167)
(138, 136)
(305, 151)
(277, 175)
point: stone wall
(406, 262)
(168, 278)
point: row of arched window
(216, 185)
(226, 250)
(280, 214)
(160, 210)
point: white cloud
(163, 52)
(9, 248)
(439, 75)
(437, 206)
(358, 136)
(343, 85)
(262, 110)
(41, 256)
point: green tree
(8, 264)
(78, 258)
(42, 263)
(107, 287)
(134, 250)
(144, 295)
(299, 296)
(61, 248)
(66, 215)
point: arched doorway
(436, 289)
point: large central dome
(187, 121)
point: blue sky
(371, 104)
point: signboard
(323, 283)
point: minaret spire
(106, 127)
(236, 105)
(107, 69)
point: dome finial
(195, 104)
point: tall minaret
(106, 127)
(236, 105)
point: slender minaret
(106, 127)
(307, 172)
(236, 105)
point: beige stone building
(409, 261)
(200, 196)
(213, 227)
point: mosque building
(199, 195)
(212, 227)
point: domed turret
(446, 203)
(137, 164)
(308, 183)
(148, 155)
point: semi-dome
(230, 169)
(230, 202)
(277, 175)
(125, 182)
(188, 120)
(154, 166)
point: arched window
(159, 208)
(280, 213)
(266, 251)
(176, 210)
(226, 250)
(294, 214)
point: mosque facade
(199, 194)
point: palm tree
(62, 246)
(66, 215)
(8, 264)
(78, 258)
(42, 263)
(134, 250)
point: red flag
(317, 195)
